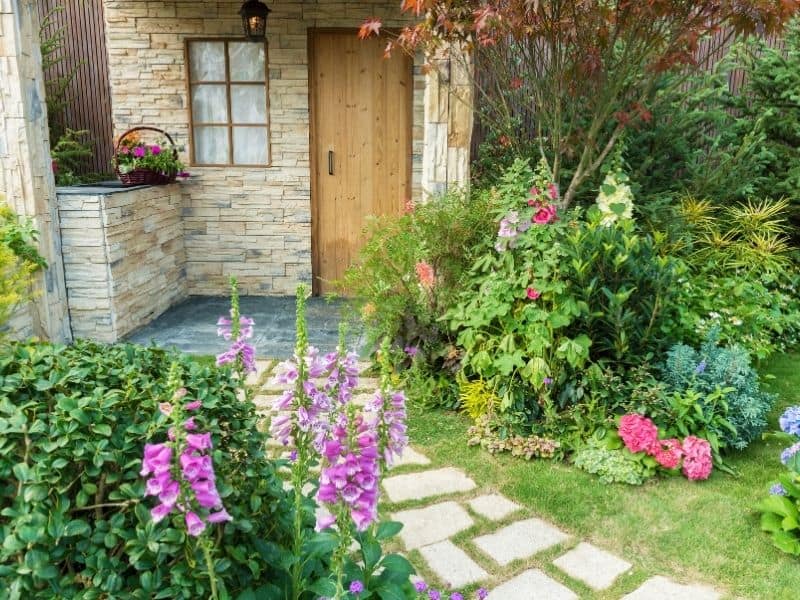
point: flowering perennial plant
(640, 434)
(134, 155)
(322, 425)
(780, 509)
(241, 354)
(188, 484)
(425, 592)
(539, 209)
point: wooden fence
(709, 53)
(80, 26)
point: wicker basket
(144, 176)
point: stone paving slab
(592, 565)
(452, 565)
(493, 506)
(411, 457)
(435, 523)
(520, 540)
(661, 588)
(532, 584)
(416, 486)
(261, 366)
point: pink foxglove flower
(194, 524)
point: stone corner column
(448, 122)
(26, 178)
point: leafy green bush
(19, 259)
(713, 368)
(611, 462)
(731, 147)
(410, 270)
(628, 286)
(73, 422)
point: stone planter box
(124, 256)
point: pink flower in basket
(138, 152)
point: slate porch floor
(191, 325)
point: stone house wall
(255, 222)
(26, 178)
(124, 257)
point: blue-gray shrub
(714, 366)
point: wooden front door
(360, 145)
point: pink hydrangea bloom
(639, 433)
(669, 453)
(697, 462)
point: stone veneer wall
(26, 179)
(255, 223)
(124, 257)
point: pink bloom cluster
(640, 434)
(390, 410)
(543, 213)
(697, 462)
(350, 445)
(351, 474)
(240, 348)
(425, 274)
(194, 466)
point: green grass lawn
(705, 532)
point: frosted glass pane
(249, 146)
(247, 61)
(207, 61)
(209, 104)
(211, 145)
(248, 104)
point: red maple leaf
(369, 27)
(415, 5)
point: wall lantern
(254, 19)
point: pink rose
(638, 433)
(532, 293)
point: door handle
(330, 162)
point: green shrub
(628, 286)
(444, 235)
(714, 368)
(73, 422)
(19, 259)
(612, 464)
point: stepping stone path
(439, 497)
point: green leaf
(102, 429)
(323, 587)
(371, 551)
(77, 527)
(388, 529)
(397, 567)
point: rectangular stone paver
(520, 540)
(661, 588)
(493, 506)
(416, 486)
(530, 585)
(452, 565)
(411, 457)
(593, 566)
(425, 526)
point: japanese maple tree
(585, 69)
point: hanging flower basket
(138, 163)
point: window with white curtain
(228, 102)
